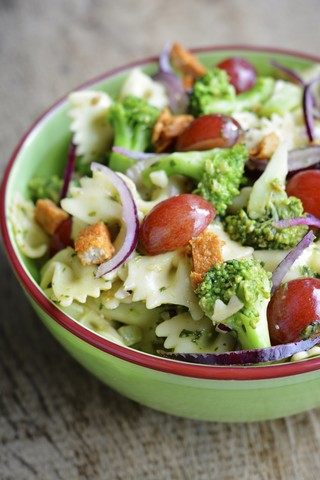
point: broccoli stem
(256, 96)
(189, 164)
(119, 162)
(130, 140)
(217, 172)
(251, 335)
(132, 121)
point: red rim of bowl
(210, 372)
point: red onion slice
(284, 266)
(164, 59)
(245, 357)
(308, 100)
(129, 218)
(132, 154)
(309, 220)
(293, 76)
(308, 107)
(68, 172)
(303, 158)
(178, 98)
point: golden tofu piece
(167, 128)
(93, 244)
(206, 252)
(186, 62)
(266, 147)
(48, 215)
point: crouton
(206, 252)
(266, 147)
(188, 82)
(48, 215)
(186, 62)
(167, 128)
(93, 244)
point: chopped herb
(306, 271)
(195, 334)
(185, 333)
(23, 210)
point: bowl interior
(43, 150)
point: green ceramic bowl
(224, 394)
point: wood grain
(56, 420)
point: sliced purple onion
(245, 357)
(164, 59)
(129, 217)
(222, 328)
(68, 172)
(284, 266)
(308, 100)
(132, 154)
(309, 220)
(308, 107)
(303, 158)
(293, 76)
(178, 98)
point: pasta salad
(186, 222)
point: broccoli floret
(218, 172)
(132, 121)
(40, 187)
(261, 234)
(247, 282)
(212, 93)
(268, 203)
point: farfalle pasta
(31, 239)
(92, 133)
(70, 280)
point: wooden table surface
(56, 420)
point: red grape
(173, 222)
(242, 75)
(209, 131)
(292, 308)
(306, 186)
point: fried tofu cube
(186, 62)
(93, 244)
(48, 215)
(167, 128)
(206, 252)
